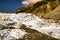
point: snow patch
(12, 34)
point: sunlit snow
(51, 29)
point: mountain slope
(44, 6)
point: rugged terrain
(38, 21)
(24, 26)
(40, 8)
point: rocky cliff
(39, 8)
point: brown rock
(55, 14)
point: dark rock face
(35, 35)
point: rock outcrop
(40, 7)
(24, 26)
(55, 14)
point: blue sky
(9, 5)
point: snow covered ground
(31, 21)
